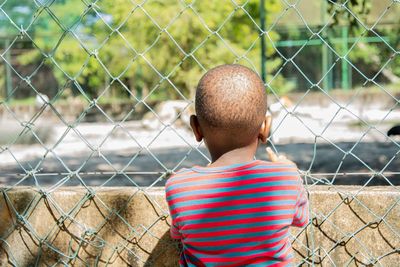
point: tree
(161, 47)
(371, 57)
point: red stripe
(236, 183)
(211, 169)
(300, 221)
(214, 214)
(260, 238)
(261, 245)
(173, 180)
(237, 258)
(259, 259)
(191, 257)
(234, 231)
(236, 221)
(234, 193)
(232, 203)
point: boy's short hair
(231, 97)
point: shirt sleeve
(301, 215)
(175, 234)
(174, 230)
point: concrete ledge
(129, 227)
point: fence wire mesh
(71, 134)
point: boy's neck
(227, 156)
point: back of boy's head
(231, 99)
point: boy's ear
(265, 128)
(194, 123)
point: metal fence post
(263, 52)
(8, 70)
(345, 66)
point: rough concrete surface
(125, 226)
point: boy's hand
(277, 158)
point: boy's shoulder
(181, 173)
(256, 166)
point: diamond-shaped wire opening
(169, 14)
(215, 52)
(94, 28)
(20, 15)
(68, 15)
(140, 78)
(188, 21)
(242, 38)
(69, 227)
(165, 44)
(288, 78)
(9, 57)
(46, 32)
(70, 56)
(375, 62)
(115, 64)
(67, 103)
(185, 84)
(223, 11)
(140, 30)
(116, 109)
(95, 74)
(185, 158)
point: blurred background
(99, 93)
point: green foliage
(370, 57)
(18, 14)
(361, 8)
(161, 47)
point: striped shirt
(237, 215)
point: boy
(237, 210)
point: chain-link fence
(98, 93)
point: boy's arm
(175, 234)
(174, 230)
(301, 215)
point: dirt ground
(333, 145)
(351, 160)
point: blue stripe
(217, 180)
(190, 258)
(270, 262)
(272, 203)
(195, 173)
(239, 216)
(183, 203)
(265, 233)
(287, 250)
(211, 248)
(282, 222)
(234, 187)
(180, 172)
(220, 168)
(246, 253)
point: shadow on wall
(165, 253)
(350, 226)
(76, 228)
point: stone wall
(129, 227)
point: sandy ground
(104, 154)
